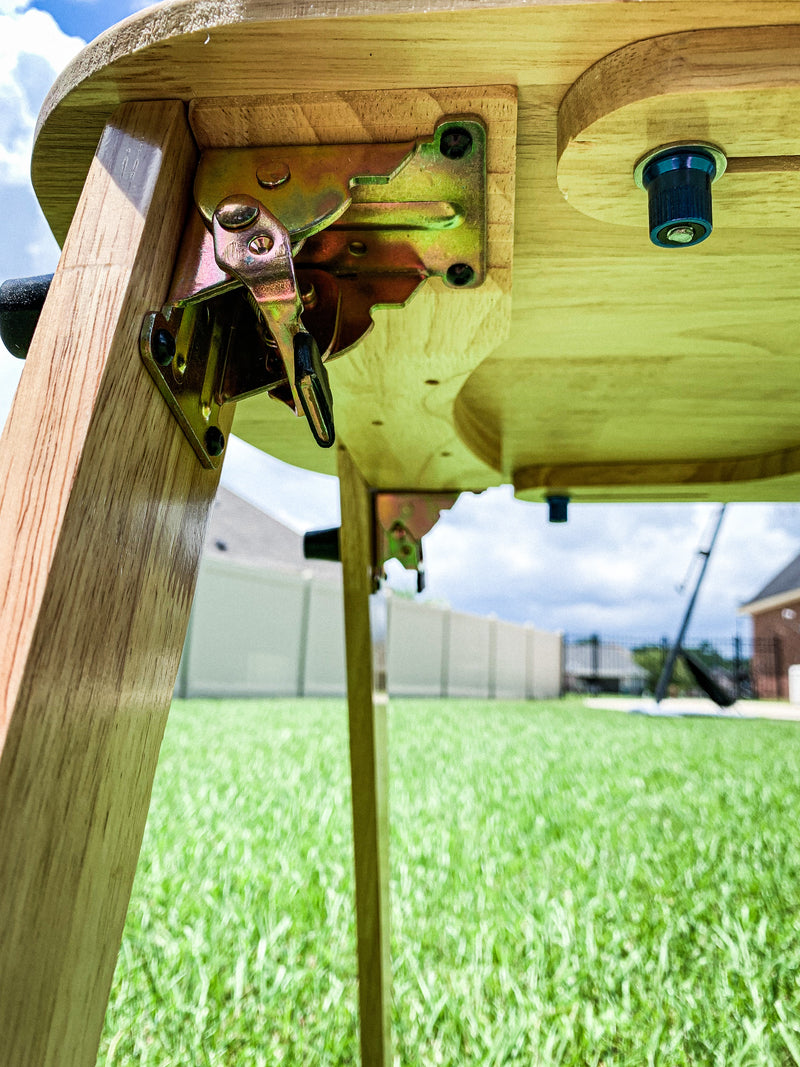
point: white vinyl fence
(260, 632)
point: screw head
(233, 215)
(214, 441)
(162, 347)
(680, 235)
(261, 244)
(459, 274)
(455, 142)
(273, 175)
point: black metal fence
(745, 667)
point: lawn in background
(569, 887)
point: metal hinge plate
(401, 521)
(332, 232)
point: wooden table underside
(614, 370)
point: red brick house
(775, 612)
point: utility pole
(675, 651)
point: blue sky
(612, 569)
(88, 18)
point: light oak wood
(369, 769)
(102, 515)
(619, 371)
(722, 473)
(738, 89)
(616, 356)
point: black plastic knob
(322, 544)
(557, 506)
(678, 183)
(21, 301)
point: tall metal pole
(674, 652)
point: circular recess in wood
(735, 88)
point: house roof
(241, 532)
(785, 583)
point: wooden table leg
(103, 508)
(368, 768)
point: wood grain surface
(369, 770)
(616, 356)
(103, 509)
(738, 89)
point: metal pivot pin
(678, 181)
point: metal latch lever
(253, 246)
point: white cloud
(613, 568)
(33, 50)
(301, 499)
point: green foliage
(569, 888)
(652, 658)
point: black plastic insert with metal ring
(678, 181)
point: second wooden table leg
(368, 768)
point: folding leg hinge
(400, 521)
(287, 253)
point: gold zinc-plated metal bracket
(401, 521)
(287, 253)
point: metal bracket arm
(251, 245)
(401, 521)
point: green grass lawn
(569, 887)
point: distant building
(775, 612)
(601, 667)
(239, 532)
